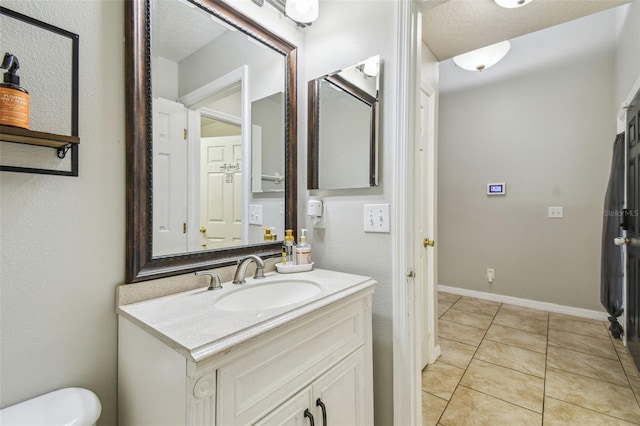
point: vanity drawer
(252, 386)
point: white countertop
(189, 322)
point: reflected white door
(169, 177)
(221, 190)
(425, 229)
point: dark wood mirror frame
(140, 263)
(313, 127)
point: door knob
(427, 242)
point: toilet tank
(69, 406)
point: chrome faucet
(241, 270)
(214, 284)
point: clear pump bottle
(303, 250)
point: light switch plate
(255, 214)
(376, 218)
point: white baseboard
(534, 304)
(437, 351)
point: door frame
(407, 380)
(201, 96)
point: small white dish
(289, 269)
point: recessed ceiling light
(512, 4)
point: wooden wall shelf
(31, 137)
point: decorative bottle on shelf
(14, 100)
(289, 249)
(303, 249)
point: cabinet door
(342, 392)
(291, 412)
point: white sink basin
(269, 295)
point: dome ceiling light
(512, 4)
(483, 58)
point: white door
(425, 230)
(221, 190)
(169, 177)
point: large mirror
(343, 134)
(211, 137)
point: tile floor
(507, 365)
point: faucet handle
(215, 283)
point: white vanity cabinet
(316, 364)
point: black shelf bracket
(62, 151)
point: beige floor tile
(468, 318)
(460, 332)
(469, 407)
(596, 331)
(627, 363)
(443, 307)
(441, 379)
(521, 339)
(586, 365)
(512, 357)
(635, 386)
(525, 312)
(606, 398)
(581, 343)
(447, 297)
(555, 317)
(455, 353)
(432, 409)
(509, 319)
(559, 413)
(478, 306)
(512, 386)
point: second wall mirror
(343, 128)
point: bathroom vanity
(237, 356)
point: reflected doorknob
(427, 242)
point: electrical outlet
(255, 214)
(491, 275)
(555, 212)
(376, 218)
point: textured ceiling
(179, 29)
(453, 27)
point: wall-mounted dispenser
(315, 211)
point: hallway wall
(546, 129)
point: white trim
(635, 90)
(407, 386)
(527, 303)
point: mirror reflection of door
(169, 177)
(202, 187)
(221, 171)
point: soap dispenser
(14, 100)
(288, 249)
(303, 250)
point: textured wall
(348, 32)
(63, 237)
(627, 57)
(547, 131)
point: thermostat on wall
(497, 188)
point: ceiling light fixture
(302, 11)
(483, 58)
(512, 4)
